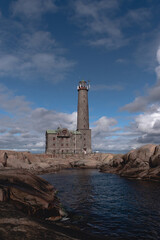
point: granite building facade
(63, 140)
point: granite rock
(29, 193)
(138, 163)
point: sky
(48, 46)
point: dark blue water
(108, 205)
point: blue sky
(48, 46)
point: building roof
(51, 131)
(56, 131)
(75, 132)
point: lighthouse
(83, 116)
(65, 141)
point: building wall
(61, 144)
(86, 140)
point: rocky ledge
(44, 163)
(141, 163)
(29, 193)
(29, 209)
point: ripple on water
(110, 205)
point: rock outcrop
(29, 193)
(142, 163)
(22, 196)
(43, 163)
(16, 225)
(35, 163)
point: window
(84, 134)
(67, 145)
(62, 144)
(64, 131)
(53, 144)
(84, 126)
(84, 139)
(54, 138)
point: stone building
(63, 140)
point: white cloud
(121, 60)
(27, 50)
(32, 8)
(138, 16)
(23, 127)
(95, 17)
(158, 67)
(104, 126)
(102, 24)
(148, 122)
(8, 63)
(152, 96)
(102, 131)
(36, 55)
(13, 104)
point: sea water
(109, 205)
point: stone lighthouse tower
(83, 116)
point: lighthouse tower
(83, 116)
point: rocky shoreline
(16, 225)
(142, 163)
(30, 209)
(29, 206)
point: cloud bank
(102, 23)
(23, 127)
(27, 50)
(152, 97)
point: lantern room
(83, 85)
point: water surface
(108, 205)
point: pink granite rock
(29, 193)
